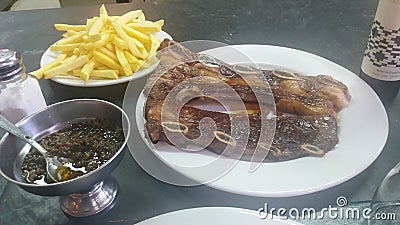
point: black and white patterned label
(383, 47)
(382, 55)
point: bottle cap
(11, 65)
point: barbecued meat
(303, 96)
(306, 105)
(295, 136)
(308, 94)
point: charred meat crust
(306, 105)
(290, 132)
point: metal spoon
(52, 164)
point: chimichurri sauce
(83, 147)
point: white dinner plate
(362, 132)
(214, 215)
(49, 56)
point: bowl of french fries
(106, 50)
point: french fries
(106, 47)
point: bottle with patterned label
(380, 67)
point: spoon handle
(11, 128)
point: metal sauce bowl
(53, 118)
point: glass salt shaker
(20, 94)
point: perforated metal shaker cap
(11, 65)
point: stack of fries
(107, 47)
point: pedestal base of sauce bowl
(90, 203)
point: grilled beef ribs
(294, 137)
(306, 106)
